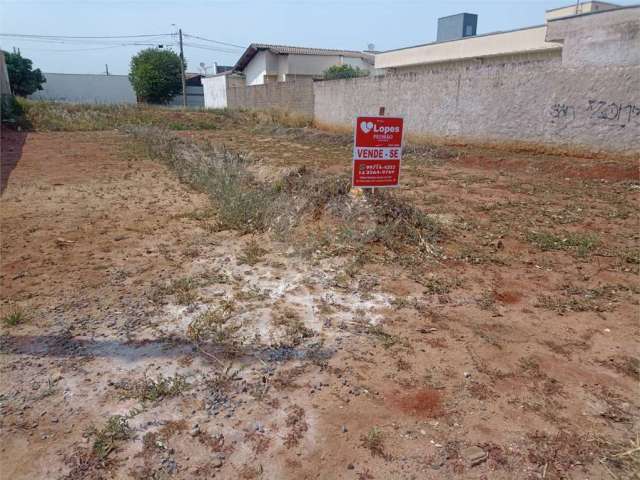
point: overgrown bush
(156, 75)
(10, 109)
(344, 71)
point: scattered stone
(350, 466)
(473, 456)
(439, 461)
(344, 429)
(467, 375)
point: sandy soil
(529, 354)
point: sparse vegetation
(216, 326)
(184, 290)
(374, 442)
(14, 316)
(388, 340)
(344, 71)
(581, 243)
(152, 390)
(252, 253)
(106, 439)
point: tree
(156, 75)
(344, 71)
(22, 78)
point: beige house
(262, 63)
(524, 45)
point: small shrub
(215, 326)
(15, 316)
(115, 430)
(252, 254)
(11, 110)
(151, 390)
(344, 71)
(388, 340)
(184, 290)
(374, 442)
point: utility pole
(106, 68)
(184, 79)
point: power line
(215, 41)
(206, 47)
(65, 50)
(70, 37)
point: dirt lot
(506, 349)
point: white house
(262, 63)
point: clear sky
(347, 24)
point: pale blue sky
(348, 24)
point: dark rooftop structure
(457, 26)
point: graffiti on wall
(600, 110)
(560, 110)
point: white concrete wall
(260, 65)
(573, 101)
(81, 88)
(608, 38)
(215, 91)
(283, 67)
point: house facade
(262, 63)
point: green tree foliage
(344, 71)
(155, 75)
(24, 80)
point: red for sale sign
(377, 152)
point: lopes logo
(366, 127)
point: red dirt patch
(508, 297)
(425, 402)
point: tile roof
(254, 48)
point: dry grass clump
(150, 390)
(374, 442)
(216, 326)
(252, 254)
(15, 315)
(53, 116)
(249, 206)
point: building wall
(506, 43)
(577, 8)
(256, 69)
(215, 91)
(590, 40)
(81, 88)
(294, 96)
(268, 67)
(5, 88)
(195, 97)
(575, 102)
